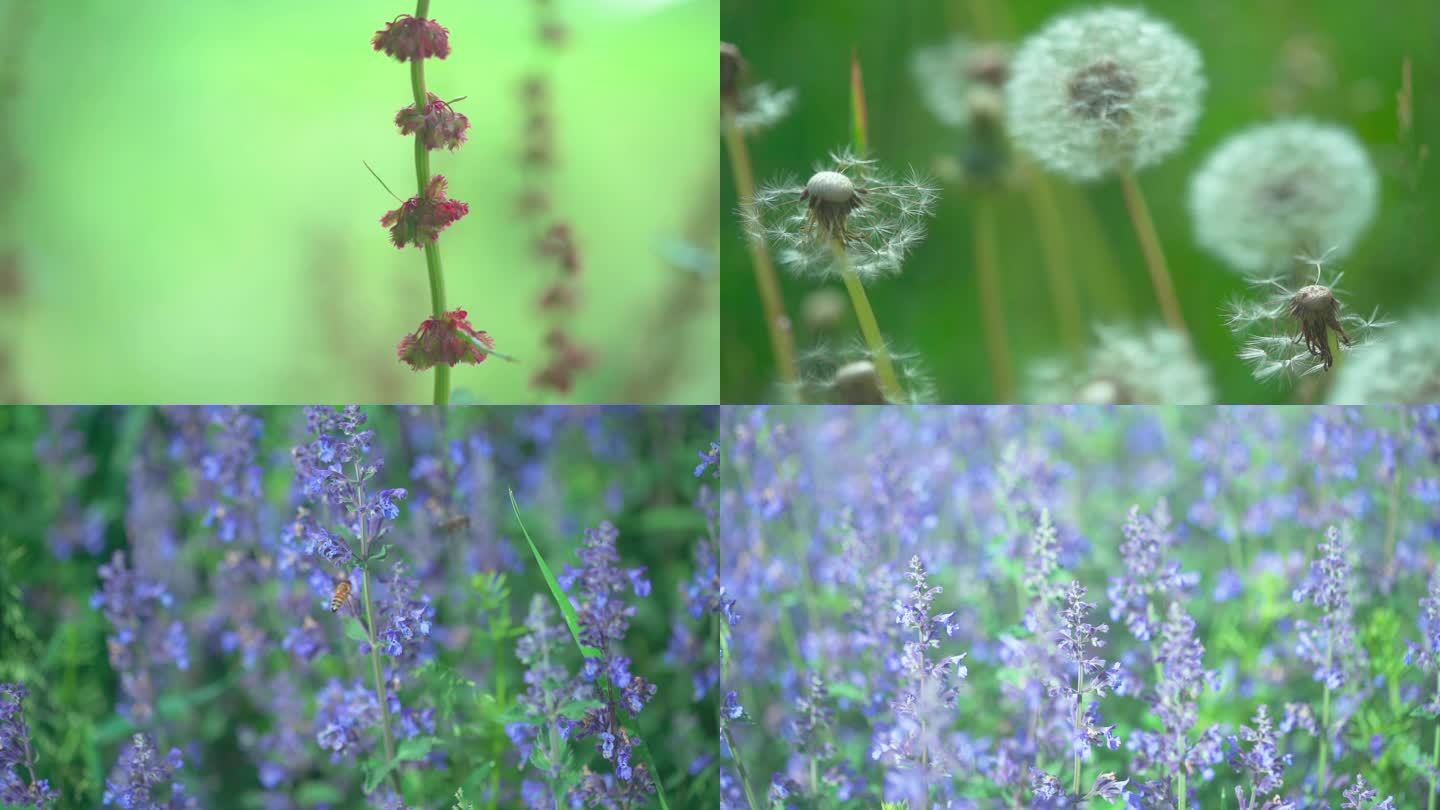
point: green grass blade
(860, 117)
(655, 775)
(566, 609)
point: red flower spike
(411, 38)
(445, 340)
(438, 125)
(567, 360)
(421, 219)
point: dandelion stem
(1050, 227)
(991, 303)
(776, 320)
(1154, 256)
(422, 178)
(869, 327)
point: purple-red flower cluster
(408, 38)
(419, 220)
(437, 125)
(448, 340)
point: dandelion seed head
(1126, 366)
(1103, 91)
(1280, 189)
(845, 374)
(754, 107)
(961, 81)
(876, 218)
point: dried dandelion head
(1288, 329)
(1403, 369)
(1281, 189)
(846, 376)
(1126, 366)
(848, 204)
(749, 107)
(1102, 91)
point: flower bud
(447, 340)
(413, 38)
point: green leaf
(310, 794)
(567, 609)
(355, 631)
(655, 774)
(415, 748)
(379, 555)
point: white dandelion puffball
(1278, 191)
(1126, 366)
(1102, 91)
(1402, 369)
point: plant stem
(869, 327)
(1079, 704)
(740, 769)
(1180, 786)
(777, 322)
(1434, 754)
(370, 630)
(1050, 227)
(1325, 720)
(1154, 256)
(422, 179)
(992, 306)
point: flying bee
(452, 524)
(342, 593)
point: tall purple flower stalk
(142, 638)
(601, 586)
(16, 753)
(550, 691)
(913, 747)
(1262, 766)
(1079, 641)
(1329, 645)
(144, 780)
(336, 469)
(1150, 579)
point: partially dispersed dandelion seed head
(1273, 191)
(1126, 366)
(749, 108)
(732, 70)
(831, 197)
(961, 81)
(1102, 91)
(1287, 326)
(876, 218)
(846, 375)
(1403, 369)
(857, 384)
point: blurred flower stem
(1050, 227)
(776, 320)
(869, 327)
(992, 305)
(370, 630)
(432, 248)
(1154, 256)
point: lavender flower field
(358, 607)
(990, 607)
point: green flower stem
(740, 769)
(372, 635)
(422, 179)
(782, 343)
(1434, 754)
(869, 327)
(1154, 255)
(991, 303)
(1325, 723)
(1079, 709)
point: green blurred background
(1333, 60)
(194, 222)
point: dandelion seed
(1105, 91)
(1126, 366)
(1275, 191)
(878, 219)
